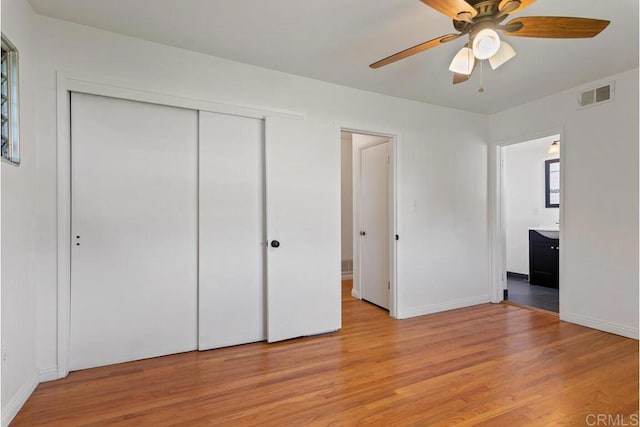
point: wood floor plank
(492, 364)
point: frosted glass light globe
(463, 62)
(486, 44)
(505, 53)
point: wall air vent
(347, 266)
(596, 96)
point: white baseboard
(49, 374)
(347, 275)
(611, 327)
(444, 306)
(355, 293)
(18, 399)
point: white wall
(19, 238)
(443, 156)
(599, 216)
(346, 196)
(524, 198)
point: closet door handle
(275, 243)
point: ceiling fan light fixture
(505, 53)
(486, 43)
(463, 62)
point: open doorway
(531, 210)
(368, 218)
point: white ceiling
(336, 40)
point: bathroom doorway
(530, 188)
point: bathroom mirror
(552, 183)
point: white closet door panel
(134, 238)
(232, 240)
(303, 214)
(374, 196)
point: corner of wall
(19, 399)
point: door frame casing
(393, 137)
(65, 84)
(498, 265)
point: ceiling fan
(482, 19)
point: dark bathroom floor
(521, 292)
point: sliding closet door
(232, 231)
(134, 230)
(303, 227)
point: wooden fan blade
(413, 50)
(512, 3)
(557, 27)
(452, 8)
(460, 78)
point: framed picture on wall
(552, 183)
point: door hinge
(388, 159)
(389, 285)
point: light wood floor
(492, 364)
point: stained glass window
(10, 110)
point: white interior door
(134, 230)
(303, 215)
(374, 223)
(232, 231)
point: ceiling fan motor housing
(487, 12)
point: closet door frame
(65, 85)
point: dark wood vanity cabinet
(544, 260)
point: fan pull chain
(481, 90)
